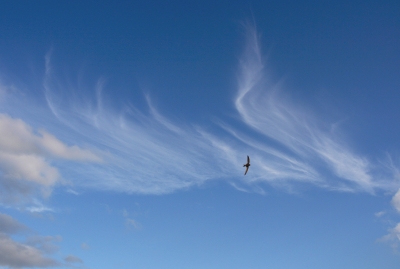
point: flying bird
(247, 165)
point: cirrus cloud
(145, 152)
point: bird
(247, 165)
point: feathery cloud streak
(298, 134)
(148, 153)
(143, 153)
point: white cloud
(295, 132)
(25, 159)
(393, 237)
(145, 152)
(38, 207)
(71, 191)
(31, 253)
(28, 167)
(55, 147)
(19, 138)
(18, 255)
(396, 201)
(148, 153)
(380, 214)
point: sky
(125, 125)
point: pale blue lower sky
(220, 227)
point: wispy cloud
(129, 221)
(380, 214)
(141, 151)
(299, 138)
(71, 191)
(38, 207)
(145, 152)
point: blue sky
(125, 126)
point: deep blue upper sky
(185, 49)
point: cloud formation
(18, 255)
(149, 153)
(130, 222)
(142, 151)
(146, 152)
(72, 259)
(32, 253)
(9, 225)
(393, 236)
(299, 135)
(25, 159)
(396, 201)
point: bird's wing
(247, 169)
(248, 159)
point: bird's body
(247, 165)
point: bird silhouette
(247, 165)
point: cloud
(19, 138)
(295, 132)
(38, 207)
(396, 201)
(146, 152)
(44, 243)
(133, 223)
(31, 253)
(129, 221)
(18, 255)
(380, 214)
(85, 246)
(71, 191)
(143, 151)
(72, 259)
(25, 159)
(9, 225)
(31, 168)
(392, 238)
(149, 153)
